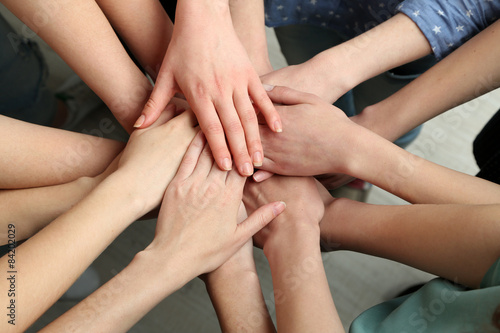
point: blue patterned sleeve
(447, 24)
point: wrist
(336, 67)
(380, 119)
(292, 240)
(163, 268)
(127, 189)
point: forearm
(390, 44)
(144, 26)
(410, 177)
(68, 245)
(467, 73)
(248, 22)
(30, 210)
(427, 237)
(82, 36)
(301, 291)
(121, 302)
(35, 156)
(238, 300)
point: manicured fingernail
(279, 207)
(277, 127)
(268, 87)
(140, 121)
(247, 169)
(257, 159)
(226, 164)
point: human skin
(220, 88)
(94, 52)
(148, 42)
(291, 244)
(234, 289)
(321, 139)
(37, 156)
(190, 240)
(429, 237)
(77, 237)
(335, 71)
(248, 22)
(467, 73)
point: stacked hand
(208, 64)
(315, 140)
(197, 225)
(305, 207)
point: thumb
(162, 93)
(289, 96)
(258, 220)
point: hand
(308, 77)
(208, 64)
(153, 155)
(197, 224)
(330, 181)
(241, 260)
(305, 206)
(315, 140)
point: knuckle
(254, 144)
(213, 128)
(234, 126)
(152, 105)
(248, 115)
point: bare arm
(467, 73)
(145, 27)
(77, 237)
(248, 22)
(321, 139)
(335, 71)
(457, 242)
(189, 240)
(80, 33)
(35, 156)
(234, 289)
(208, 64)
(291, 244)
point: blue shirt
(446, 24)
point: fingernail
(279, 208)
(257, 177)
(247, 169)
(277, 127)
(257, 159)
(140, 121)
(226, 164)
(268, 87)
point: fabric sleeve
(447, 24)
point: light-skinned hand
(314, 140)
(153, 155)
(207, 63)
(197, 224)
(305, 206)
